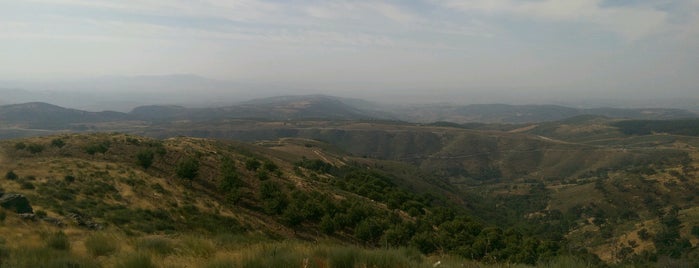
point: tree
(145, 158)
(230, 180)
(188, 168)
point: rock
(27, 216)
(54, 221)
(16, 202)
(83, 222)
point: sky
(515, 48)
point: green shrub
(252, 164)
(136, 260)
(100, 245)
(35, 148)
(59, 143)
(26, 185)
(10, 175)
(188, 168)
(145, 158)
(58, 240)
(20, 146)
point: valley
(588, 189)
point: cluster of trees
(417, 220)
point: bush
(58, 240)
(145, 158)
(252, 164)
(100, 245)
(69, 178)
(35, 148)
(27, 185)
(94, 148)
(59, 143)
(188, 168)
(20, 146)
(10, 175)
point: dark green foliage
(315, 165)
(252, 164)
(269, 166)
(274, 201)
(668, 241)
(58, 241)
(645, 127)
(643, 234)
(262, 174)
(69, 178)
(230, 179)
(26, 185)
(101, 147)
(58, 143)
(35, 148)
(10, 175)
(695, 230)
(144, 158)
(188, 168)
(20, 146)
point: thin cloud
(630, 22)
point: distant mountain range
(38, 115)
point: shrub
(35, 148)
(252, 164)
(97, 148)
(58, 240)
(188, 168)
(69, 178)
(145, 158)
(26, 185)
(20, 146)
(10, 175)
(59, 143)
(100, 245)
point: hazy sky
(577, 47)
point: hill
(39, 115)
(275, 108)
(181, 201)
(518, 114)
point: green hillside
(189, 199)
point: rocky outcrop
(15, 202)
